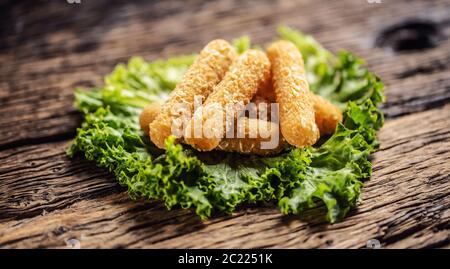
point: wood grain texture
(404, 205)
(82, 43)
(49, 180)
(48, 49)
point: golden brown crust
(148, 115)
(206, 71)
(327, 115)
(231, 95)
(256, 136)
(258, 107)
(266, 91)
(297, 117)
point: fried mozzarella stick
(254, 136)
(297, 117)
(198, 81)
(327, 115)
(209, 123)
(258, 107)
(148, 115)
(266, 91)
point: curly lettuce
(331, 173)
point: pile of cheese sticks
(253, 103)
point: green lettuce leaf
(331, 173)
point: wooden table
(48, 49)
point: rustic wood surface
(48, 48)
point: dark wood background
(47, 48)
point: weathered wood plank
(41, 178)
(405, 205)
(83, 42)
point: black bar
(200, 258)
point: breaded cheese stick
(209, 123)
(297, 117)
(327, 115)
(258, 106)
(148, 115)
(267, 92)
(253, 136)
(206, 71)
(256, 136)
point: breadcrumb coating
(251, 136)
(254, 136)
(207, 70)
(148, 115)
(327, 115)
(297, 117)
(258, 107)
(228, 99)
